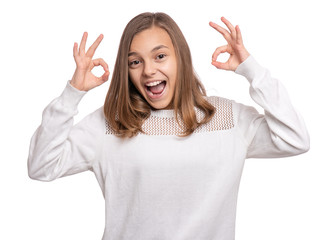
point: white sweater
(158, 186)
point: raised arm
(280, 131)
(57, 147)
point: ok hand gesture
(83, 79)
(235, 47)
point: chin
(161, 106)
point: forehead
(150, 38)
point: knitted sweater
(158, 185)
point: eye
(134, 63)
(161, 56)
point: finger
(94, 46)
(219, 50)
(226, 34)
(228, 24)
(83, 43)
(104, 77)
(220, 65)
(75, 50)
(100, 62)
(239, 39)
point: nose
(149, 69)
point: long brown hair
(125, 109)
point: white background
(292, 198)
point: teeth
(152, 84)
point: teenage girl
(167, 157)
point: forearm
(282, 131)
(49, 142)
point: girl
(167, 157)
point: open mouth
(155, 89)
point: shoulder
(222, 105)
(94, 120)
(97, 115)
(228, 105)
(223, 117)
(219, 102)
(230, 113)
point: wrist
(243, 56)
(76, 83)
(76, 86)
(250, 69)
(71, 96)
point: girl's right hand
(83, 79)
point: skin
(151, 59)
(234, 47)
(84, 80)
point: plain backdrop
(289, 198)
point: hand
(235, 47)
(83, 79)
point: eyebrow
(153, 50)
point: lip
(152, 96)
(152, 81)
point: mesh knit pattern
(166, 124)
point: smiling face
(153, 67)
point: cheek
(173, 73)
(170, 69)
(134, 78)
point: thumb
(220, 65)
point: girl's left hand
(235, 47)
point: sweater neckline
(166, 113)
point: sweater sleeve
(58, 148)
(280, 131)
